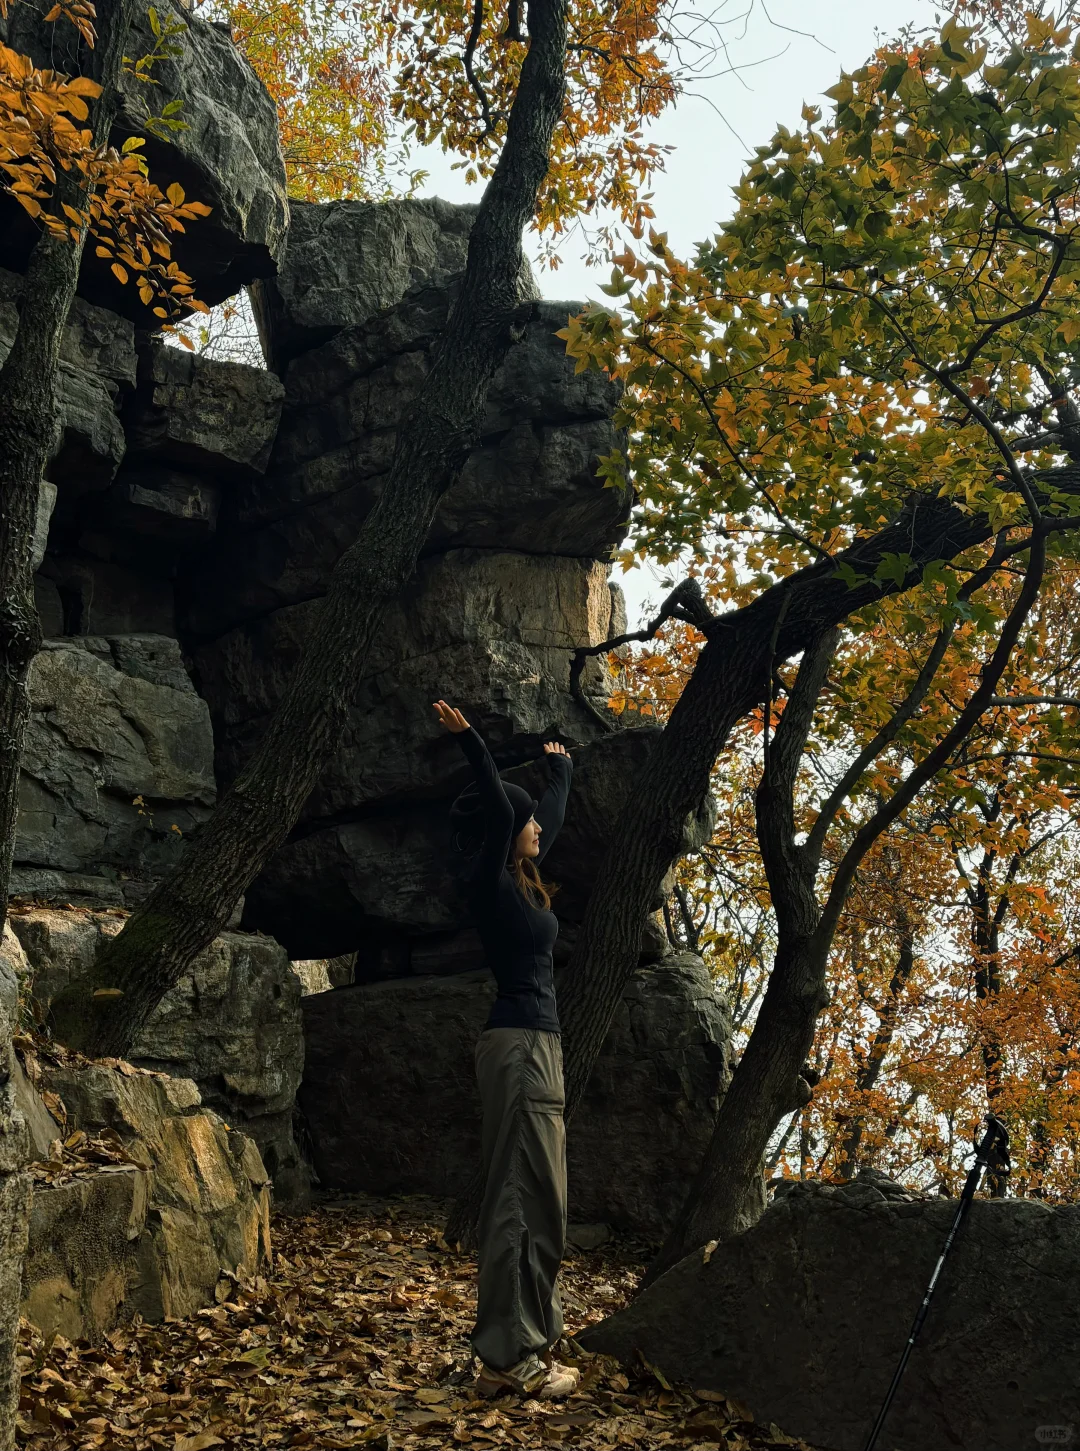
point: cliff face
(205, 510)
(191, 516)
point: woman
(519, 1066)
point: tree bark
(28, 423)
(14, 1222)
(104, 1012)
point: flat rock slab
(804, 1318)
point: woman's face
(527, 843)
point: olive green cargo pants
(523, 1217)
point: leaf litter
(359, 1337)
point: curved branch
(685, 602)
(815, 841)
(470, 50)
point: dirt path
(360, 1338)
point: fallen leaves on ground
(83, 1156)
(358, 1338)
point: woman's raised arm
(495, 809)
(552, 808)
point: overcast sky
(788, 52)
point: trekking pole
(992, 1154)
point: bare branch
(685, 602)
(1066, 700)
(470, 50)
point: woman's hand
(452, 719)
(555, 748)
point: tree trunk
(103, 1013)
(986, 943)
(758, 1098)
(14, 1220)
(27, 427)
(729, 679)
(28, 424)
(783, 1034)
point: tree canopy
(886, 326)
(357, 83)
(896, 288)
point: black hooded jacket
(518, 937)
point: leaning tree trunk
(767, 1076)
(104, 1012)
(28, 424)
(759, 1096)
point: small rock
(588, 1236)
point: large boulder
(804, 1316)
(390, 1101)
(498, 628)
(494, 632)
(117, 763)
(195, 426)
(347, 261)
(388, 881)
(231, 1024)
(214, 417)
(184, 1202)
(531, 484)
(226, 153)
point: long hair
(529, 882)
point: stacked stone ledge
(184, 1206)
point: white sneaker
(530, 1377)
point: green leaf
(894, 568)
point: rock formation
(118, 766)
(513, 579)
(191, 517)
(187, 1204)
(232, 1024)
(227, 154)
(390, 1101)
(804, 1316)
